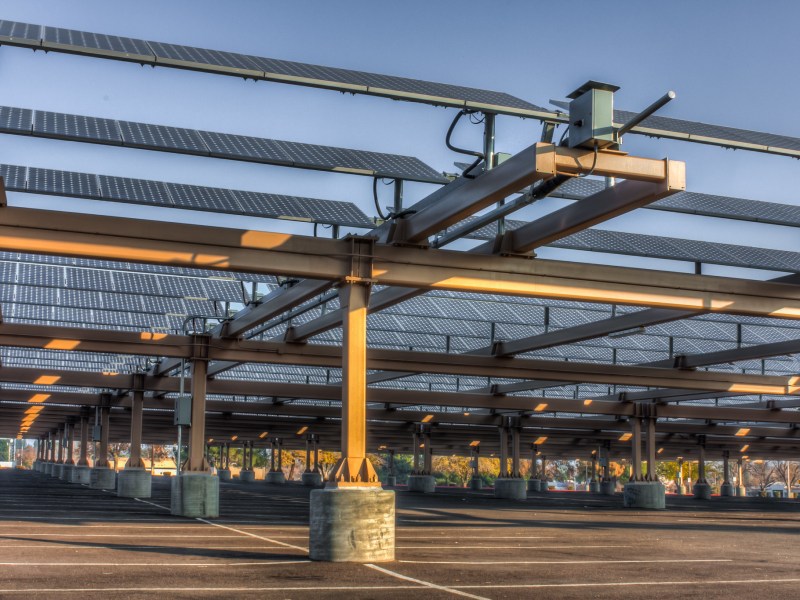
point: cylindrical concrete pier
(103, 478)
(66, 472)
(247, 476)
(534, 485)
(510, 488)
(608, 487)
(311, 479)
(275, 477)
(134, 483)
(82, 475)
(727, 489)
(644, 494)
(195, 495)
(702, 491)
(594, 487)
(224, 474)
(422, 483)
(352, 525)
(476, 483)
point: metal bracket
(362, 251)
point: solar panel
(64, 183)
(89, 279)
(203, 198)
(162, 137)
(82, 42)
(713, 134)
(157, 193)
(78, 127)
(16, 120)
(244, 147)
(200, 59)
(14, 177)
(137, 283)
(141, 191)
(12, 32)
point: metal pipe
(670, 95)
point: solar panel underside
(175, 195)
(162, 138)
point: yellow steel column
(503, 451)
(84, 459)
(68, 460)
(636, 449)
(354, 469)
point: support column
(415, 467)
(391, 477)
(594, 483)
(276, 474)
(51, 455)
(103, 476)
(310, 477)
(702, 490)
(247, 475)
(352, 519)
(135, 481)
(424, 481)
(58, 466)
(503, 452)
(476, 482)
(534, 483)
(224, 473)
(636, 449)
(741, 490)
(608, 485)
(317, 467)
(544, 481)
(648, 491)
(680, 488)
(69, 462)
(726, 489)
(196, 492)
(513, 487)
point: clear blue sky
(731, 63)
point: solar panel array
(79, 128)
(175, 195)
(578, 188)
(651, 246)
(257, 67)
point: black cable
(479, 155)
(375, 197)
(594, 163)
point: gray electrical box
(591, 115)
(97, 432)
(183, 411)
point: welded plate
(76, 127)
(97, 44)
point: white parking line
(561, 562)
(458, 546)
(629, 583)
(427, 584)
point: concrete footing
(56, 470)
(103, 478)
(644, 494)
(391, 481)
(702, 491)
(195, 495)
(422, 483)
(46, 468)
(476, 483)
(352, 525)
(275, 477)
(608, 488)
(36, 466)
(311, 479)
(680, 490)
(81, 474)
(247, 476)
(511, 488)
(534, 485)
(224, 474)
(544, 485)
(134, 483)
(66, 472)
(594, 487)
(741, 491)
(727, 489)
